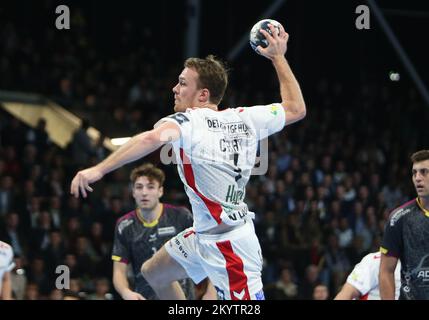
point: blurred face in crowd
(286, 277)
(312, 273)
(70, 260)
(421, 178)
(32, 292)
(96, 229)
(186, 92)
(12, 220)
(75, 285)
(55, 238)
(320, 293)
(56, 294)
(147, 193)
(102, 286)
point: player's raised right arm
(292, 99)
(136, 148)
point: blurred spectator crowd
(332, 179)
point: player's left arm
(290, 91)
(205, 290)
(348, 292)
(211, 293)
(6, 290)
(387, 277)
(136, 148)
(391, 248)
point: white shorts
(232, 260)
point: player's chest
(147, 241)
(157, 233)
(220, 145)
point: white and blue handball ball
(256, 38)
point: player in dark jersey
(141, 232)
(406, 238)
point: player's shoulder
(178, 117)
(189, 117)
(126, 220)
(5, 248)
(372, 258)
(400, 212)
(4, 245)
(204, 112)
(240, 110)
(271, 110)
(172, 209)
(214, 118)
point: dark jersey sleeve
(183, 120)
(120, 251)
(185, 218)
(392, 239)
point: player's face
(186, 91)
(146, 193)
(421, 178)
(320, 293)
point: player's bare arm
(348, 292)
(211, 293)
(121, 284)
(387, 277)
(136, 148)
(292, 99)
(6, 291)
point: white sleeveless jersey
(364, 277)
(6, 260)
(215, 156)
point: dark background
(324, 41)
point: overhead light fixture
(394, 76)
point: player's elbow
(148, 271)
(302, 113)
(298, 109)
(149, 138)
(301, 110)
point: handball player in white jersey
(216, 151)
(362, 282)
(6, 266)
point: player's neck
(150, 216)
(209, 106)
(424, 202)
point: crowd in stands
(331, 183)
